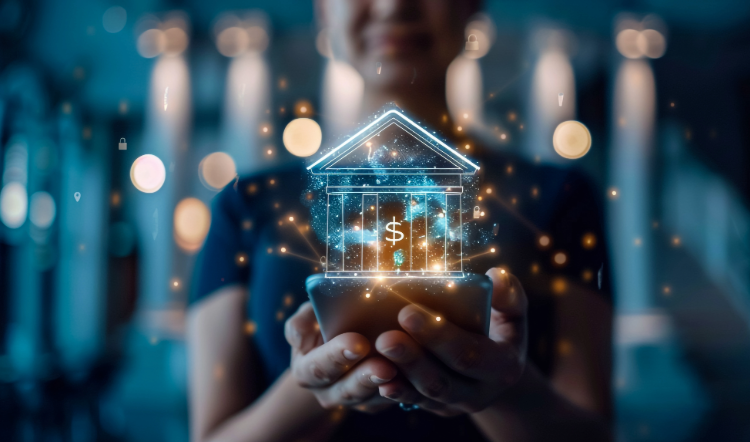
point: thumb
(508, 296)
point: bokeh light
(651, 43)
(42, 210)
(232, 41)
(302, 137)
(627, 43)
(13, 205)
(191, 222)
(217, 170)
(571, 139)
(147, 173)
(114, 19)
(151, 43)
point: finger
(325, 364)
(301, 329)
(431, 378)
(508, 295)
(469, 354)
(400, 390)
(358, 385)
(509, 305)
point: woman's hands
(338, 372)
(443, 368)
(450, 371)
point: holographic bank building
(394, 202)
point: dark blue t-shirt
(250, 225)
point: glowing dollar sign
(388, 228)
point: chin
(394, 73)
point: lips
(395, 44)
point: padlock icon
(472, 45)
(476, 212)
(123, 144)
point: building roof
(393, 144)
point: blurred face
(404, 36)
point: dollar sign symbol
(388, 228)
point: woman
(243, 385)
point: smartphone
(370, 306)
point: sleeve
(578, 233)
(217, 264)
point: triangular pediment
(393, 144)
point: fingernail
(395, 351)
(376, 380)
(414, 322)
(350, 355)
(393, 395)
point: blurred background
(95, 265)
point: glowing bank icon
(394, 202)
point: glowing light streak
(287, 252)
(291, 220)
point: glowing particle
(13, 205)
(467, 146)
(503, 136)
(459, 128)
(42, 210)
(216, 170)
(283, 250)
(492, 250)
(560, 258)
(356, 228)
(148, 173)
(571, 139)
(269, 152)
(489, 190)
(367, 295)
(667, 290)
(466, 115)
(437, 319)
(534, 268)
(588, 241)
(559, 286)
(587, 275)
(544, 240)
(676, 241)
(302, 137)
(250, 327)
(613, 193)
(192, 220)
(291, 218)
(482, 214)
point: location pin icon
(77, 196)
